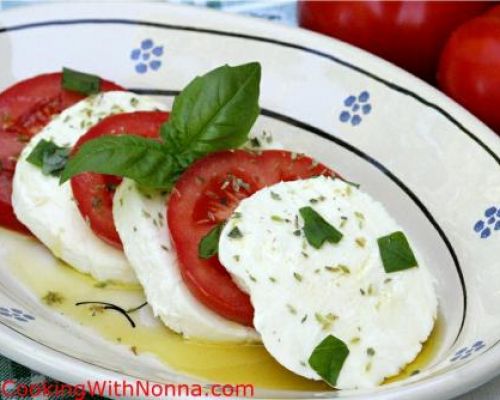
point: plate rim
(434, 383)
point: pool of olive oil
(61, 287)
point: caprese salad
(231, 238)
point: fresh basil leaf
(317, 230)
(209, 244)
(50, 157)
(214, 112)
(80, 82)
(396, 252)
(328, 358)
(143, 160)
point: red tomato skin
(198, 193)
(25, 108)
(411, 34)
(20, 101)
(469, 70)
(94, 192)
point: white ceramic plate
(433, 165)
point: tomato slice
(206, 195)
(94, 192)
(25, 109)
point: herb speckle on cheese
(297, 276)
(275, 196)
(291, 309)
(255, 142)
(235, 233)
(361, 242)
(368, 367)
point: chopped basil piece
(328, 358)
(317, 230)
(235, 233)
(50, 157)
(209, 244)
(396, 252)
(80, 82)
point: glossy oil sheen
(221, 362)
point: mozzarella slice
(302, 294)
(141, 224)
(49, 210)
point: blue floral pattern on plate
(16, 314)
(490, 223)
(356, 107)
(466, 352)
(147, 56)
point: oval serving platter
(434, 166)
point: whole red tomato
(410, 34)
(469, 70)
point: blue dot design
(356, 107)
(16, 314)
(465, 352)
(489, 224)
(147, 56)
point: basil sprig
(80, 82)
(396, 252)
(214, 112)
(317, 230)
(50, 157)
(209, 244)
(328, 358)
